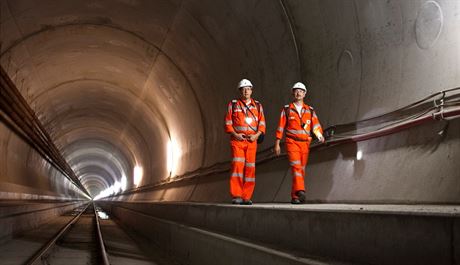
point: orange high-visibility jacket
(240, 120)
(298, 126)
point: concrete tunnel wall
(114, 81)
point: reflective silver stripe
(295, 162)
(298, 174)
(250, 164)
(262, 123)
(238, 159)
(297, 131)
(241, 128)
(316, 126)
(280, 129)
(250, 179)
(237, 175)
(229, 122)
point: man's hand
(238, 136)
(276, 148)
(253, 137)
(321, 138)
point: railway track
(78, 242)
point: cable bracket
(439, 105)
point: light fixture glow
(359, 155)
(124, 182)
(173, 154)
(102, 215)
(117, 187)
(138, 174)
(169, 157)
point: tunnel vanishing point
(115, 108)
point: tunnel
(121, 103)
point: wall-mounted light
(359, 155)
(173, 154)
(124, 182)
(117, 187)
(138, 174)
(109, 191)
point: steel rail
(104, 256)
(38, 256)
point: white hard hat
(299, 85)
(244, 83)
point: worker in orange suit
(245, 122)
(298, 121)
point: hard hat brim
(294, 88)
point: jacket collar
(241, 101)
(292, 106)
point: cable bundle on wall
(444, 105)
(20, 118)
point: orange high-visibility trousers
(297, 152)
(243, 174)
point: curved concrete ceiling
(138, 74)
(115, 81)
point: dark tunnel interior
(133, 95)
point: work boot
(237, 200)
(301, 195)
(295, 201)
(247, 202)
